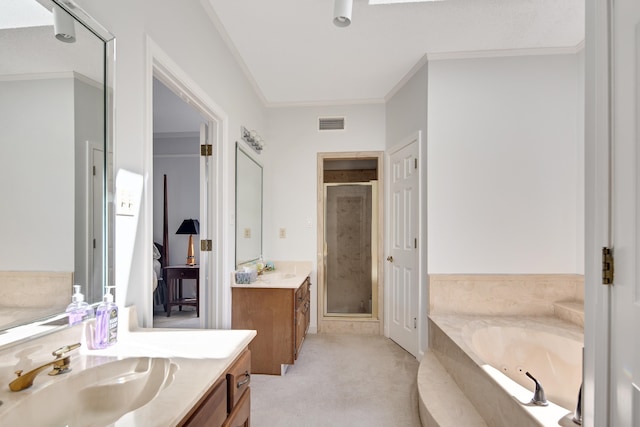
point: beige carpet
(340, 380)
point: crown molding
(498, 53)
(326, 103)
(406, 78)
(217, 23)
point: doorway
(349, 242)
(178, 199)
(350, 254)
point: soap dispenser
(106, 332)
(78, 310)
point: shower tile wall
(348, 225)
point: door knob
(390, 258)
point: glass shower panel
(348, 237)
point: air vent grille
(330, 123)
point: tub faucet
(61, 364)
(577, 415)
(538, 395)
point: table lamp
(190, 227)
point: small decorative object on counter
(106, 333)
(269, 266)
(246, 276)
(79, 309)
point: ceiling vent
(330, 123)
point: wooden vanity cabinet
(228, 402)
(281, 317)
(303, 314)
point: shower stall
(350, 249)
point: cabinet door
(241, 414)
(212, 411)
(238, 378)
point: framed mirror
(248, 207)
(56, 91)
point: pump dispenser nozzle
(78, 310)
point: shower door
(350, 250)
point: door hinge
(94, 243)
(607, 266)
(94, 171)
(415, 323)
(415, 163)
(206, 245)
(415, 243)
(206, 150)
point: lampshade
(63, 26)
(342, 12)
(189, 226)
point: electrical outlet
(283, 233)
(309, 223)
(247, 233)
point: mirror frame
(240, 150)
(38, 327)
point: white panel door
(206, 257)
(625, 302)
(95, 291)
(402, 258)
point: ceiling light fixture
(63, 25)
(342, 12)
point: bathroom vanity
(228, 401)
(277, 306)
(150, 378)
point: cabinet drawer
(238, 379)
(240, 415)
(212, 411)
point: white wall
(406, 110)
(185, 33)
(179, 159)
(290, 174)
(37, 217)
(504, 172)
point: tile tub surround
(29, 295)
(503, 294)
(497, 407)
(35, 288)
(212, 353)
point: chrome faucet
(61, 364)
(538, 395)
(577, 415)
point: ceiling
(294, 55)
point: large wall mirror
(56, 74)
(248, 207)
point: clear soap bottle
(106, 332)
(78, 310)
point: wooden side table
(174, 275)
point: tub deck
(482, 385)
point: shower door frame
(358, 325)
(374, 252)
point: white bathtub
(552, 357)
(489, 355)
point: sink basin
(96, 396)
(274, 277)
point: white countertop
(287, 275)
(201, 356)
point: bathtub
(488, 356)
(551, 356)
